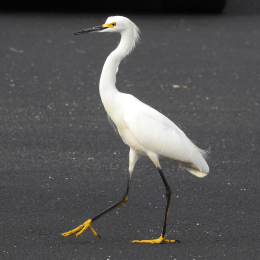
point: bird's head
(112, 24)
(119, 24)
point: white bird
(146, 131)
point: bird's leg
(87, 224)
(168, 199)
(118, 204)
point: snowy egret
(146, 131)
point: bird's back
(147, 130)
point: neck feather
(110, 68)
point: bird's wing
(151, 129)
(158, 134)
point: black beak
(89, 30)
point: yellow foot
(81, 229)
(156, 241)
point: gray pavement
(62, 163)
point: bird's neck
(107, 84)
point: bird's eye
(114, 24)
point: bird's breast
(116, 113)
(131, 141)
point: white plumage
(146, 131)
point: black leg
(118, 204)
(87, 224)
(168, 199)
(162, 238)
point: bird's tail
(199, 167)
(195, 172)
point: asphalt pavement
(62, 163)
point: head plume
(136, 35)
(121, 25)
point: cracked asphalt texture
(62, 163)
